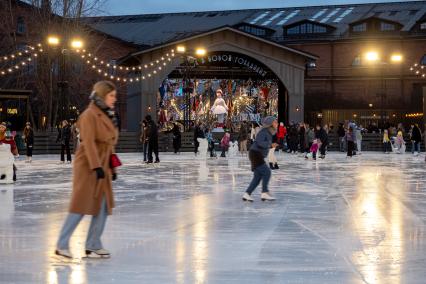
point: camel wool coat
(98, 137)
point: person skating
(272, 159)
(242, 138)
(177, 138)
(144, 139)
(321, 134)
(313, 150)
(152, 135)
(416, 137)
(350, 142)
(281, 133)
(387, 146)
(92, 172)
(198, 133)
(29, 141)
(75, 134)
(341, 133)
(6, 138)
(64, 137)
(257, 154)
(224, 144)
(293, 138)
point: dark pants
(261, 173)
(416, 146)
(211, 149)
(322, 149)
(176, 144)
(196, 145)
(29, 150)
(224, 149)
(351, 147)
(145, 150)
(387, 147)
(153, 147)
(66, 147)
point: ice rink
(337, 220)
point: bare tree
(57, 76)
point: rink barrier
(45, 143)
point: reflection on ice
(378, 223)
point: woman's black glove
(114, 176)
(100, 174)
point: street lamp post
(62, 83)
(188, 63)
(374, 58)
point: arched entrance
(250, 88)
(252, 54)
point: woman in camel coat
(92, 174)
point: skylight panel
(344, 14)
(283, 21)
(277, 15)
(261, 16)
(318, 14)
(331, 14)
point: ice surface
(337, 220)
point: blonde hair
(102, 88)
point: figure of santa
(219, 107)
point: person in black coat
(176, 137)
(152, 136)
(29, 141)
(302, 140)
(292, 137)
(341, 132)
(198, 133)
(322, 135)
(416, 137)
(64, 137)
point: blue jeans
(416, 147)
(96, 229)
(263, 173)
(145, 151)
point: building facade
(364, 52)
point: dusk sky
(125, 7)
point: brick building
(23, 25)
(342, 83)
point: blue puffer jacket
(263, 142)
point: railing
(45, 143)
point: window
(423, 60)
(393, 13)
(360, 28)
(386, 27)
(413, 12)
(20, 26)
(307, 28)
(357, 61)
(253, 30)
(293, 30)
(423, 26)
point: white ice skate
(265, 196)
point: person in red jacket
(281, 133)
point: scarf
(101, 104)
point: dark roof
(154, 29)
(175, 42)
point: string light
(19, 65)
(419, 70)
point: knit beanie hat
(267, 121)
